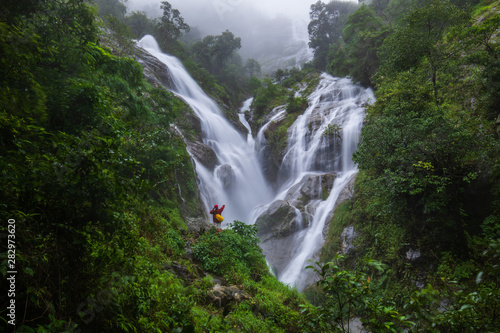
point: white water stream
(309, 152)
(248, 187)
(336, 103)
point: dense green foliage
(220, 62)
(232, 254)
(356, 53)
(214, 51)
(424, 144)
(429, 159)
(82, 145)
(349, 293)
(93, 176)
(325, 28)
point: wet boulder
(311, 187)
(348, 236)
(277, 221)
(317, 118)
(283, 221)
(203, 153)
(226, 175)
(221, 296)
(198, 223)
(276, 229)
(155, 71)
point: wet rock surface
(203, 153)
(198, 223)
(348, 236)
(276, 221)
(311, 187)
(222, 296)
(276, 231)
(284, 220)
(155, 71)
(226, 175)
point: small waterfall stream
(336, 103)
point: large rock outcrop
(280, 220)
(281, 224)
(284, 219)
(203, 154)
(226, 175)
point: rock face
(284, 219)
(273, 146)
(348, 236)
(155, 71)
(226, 175)
(203, 154)
(412, 255)
(198, 223)
(278, 221)
(312, 187)
(221, 296)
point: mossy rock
(277, 221)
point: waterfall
(337, 106)
(238, 162)
(320, 146)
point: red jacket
(216, 211)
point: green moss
(343, 216)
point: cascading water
(238, 163)
(311, 159)
(320, 143)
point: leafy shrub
(349, 293)
(173, 242)
(296, 104)
(232, 253)
(268, 93)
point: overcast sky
(266, 27)
(224, 8)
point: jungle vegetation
(93, 178)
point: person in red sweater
(216, 210)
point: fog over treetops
(273, 32)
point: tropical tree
(325, 28)
(347, 293)
(170, 27)
(13, 9)
(356, 54)
(252, 66)
(224, 46)
(214, 51)
(417, 39)
(139, 23)
(423, 159)
(115, 8)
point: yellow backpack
(219, 218)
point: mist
(272, 32)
